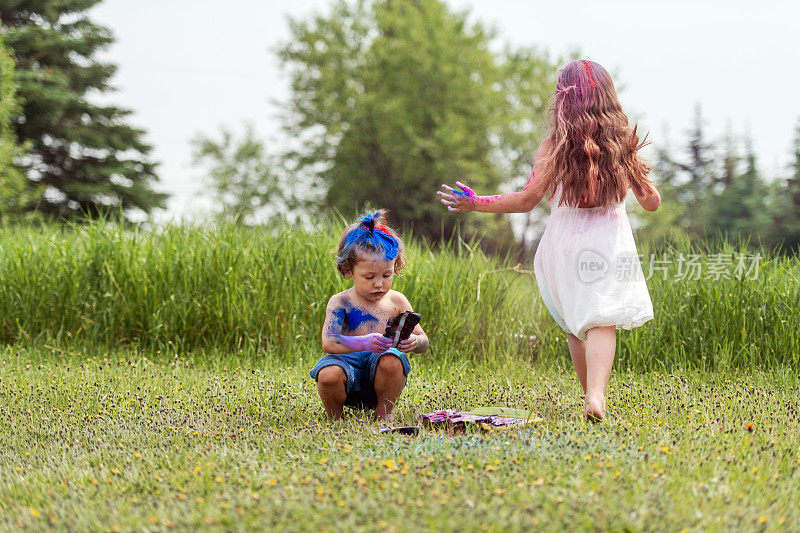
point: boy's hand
(374, 342)
(408, 345)
(458, 201)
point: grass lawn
(131, 441)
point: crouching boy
(361, 368)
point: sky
(188, 67)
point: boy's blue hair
(369, 234)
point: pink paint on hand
(467, 190)
(487, 200)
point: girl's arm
(334, 342)
(522, 201)
(466, 200)
(649, 199)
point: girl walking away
(587, 267)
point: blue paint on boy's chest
(351, 317)
(354, 317)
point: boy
(361, 368)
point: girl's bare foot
(595, 409)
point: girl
(586, 265)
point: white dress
(588, 269)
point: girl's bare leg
(601, 343)
(577, 349)
(389, 383)
(332, 389)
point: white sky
(189, 66)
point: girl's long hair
(593, 151)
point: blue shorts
(359, 367)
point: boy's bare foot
(384, 417)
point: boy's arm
(514, 202)
(418, 341)
(334, 341)
(422, 340)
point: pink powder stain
(487, 200)
(588, 69)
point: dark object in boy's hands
(399, 328)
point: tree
(730, 161)
(754, 221)
(690, 183)
(739, 208)
(786, 212)
(84, 155)
(669, 223)
(526, 78)
(701, 177)
(392, 98)
(13, 195)
(241, 176)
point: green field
(155, 381)
(145, 441)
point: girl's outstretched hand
(458, 201)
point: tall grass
(187, 288)
(190, 288)
(734, 321)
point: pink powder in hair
(589, 72)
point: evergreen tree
(738, 210)
(669, 223)
(700, 177)
(84, 155)
(392, 98)
(786, 212)
(754, 221)
(688, 183)
(730, 160)
(13, 195)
